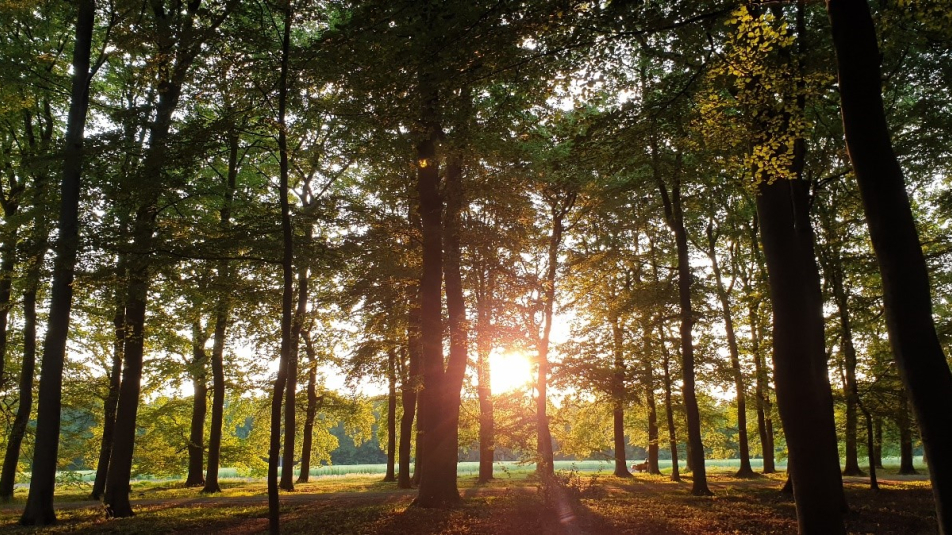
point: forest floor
(584, 504)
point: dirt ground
(582, 505)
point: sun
(509, 371)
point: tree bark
(25, 403)
(739, 385)
(39, 506)
(115, 374)
(669, 412)
(196, 439)
(290, 395)
(878, 445)
(545, 466)
(408, 398)
(618, 400)
(222, 312)
(287, 268)
(675, 220)
(484, 339)
(892, 230)
(391, 416)
(806, 408)
(906, 466)
(652, 413)
(313, 403)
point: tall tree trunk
(652, 413)
(391, 415)
(222, 311)
(313, 403)
(806, 408)
(675, 220)
(8, 257)
(176, 51)
(439, 408)
(287, 268)
(764, 407)
(618, 400)
(484, 339)
(39, 506)
(908, 302)
(290, 395)
(669, 411)
(739, 386)
(545, 461)
(408, 398)
(25, 403)
(115, 375)
(906, 466)
(196, 439)
(851, 467)
(36, 248)
(878, 445)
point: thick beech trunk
(287, 270)
(806, 406)
(196, 438)
(906, 295)
(39, 506)
(438, 416)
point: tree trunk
(440, 398)
(391, 416)
(313, 403)
(652, 414)
(675, 220)
(8, 257)
(878, 445)
(806, 409)
(669, 411)
(222, 311)
(764, 408)
(196, 440)
(290, 395)
(906, 466)
(906, 294)
(25, 403)
(618, 400)
(39, 506)
(545, 461)
(287, 269)
(408, 398)
(484, 339)
(739, 386)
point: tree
(39, 507)
(907, 299)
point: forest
(706, 244)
